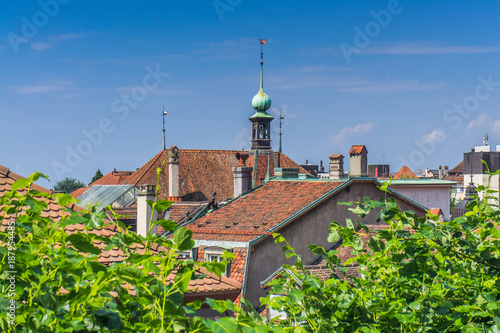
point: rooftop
(237, 221)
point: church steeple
(261, 120)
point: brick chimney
(173, 174)
(242, 175)
(146, 192)
(358, 161)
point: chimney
(173, 174)
(321, 167)
(419, 172)
(242, 175)
(337, 166)
(307, 162)
(144, 217)
(445, 172)
(358, 161)
(440, 172)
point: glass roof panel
(103, 195)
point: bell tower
(261, 120)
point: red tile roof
(257, 212)
(56, 212)
(181, 212)
(112, 178)
(356, 149)
(436, 211)
(456, 174)
(405, 173)
(202, 172)
(211, 285)
(53, 210)
(335, 156)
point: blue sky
(418, 82)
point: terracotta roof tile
(356, 149)
(202, 172)
(456, 174)
(53, 210)
(257, 212)
(335, 156)
(405, 173)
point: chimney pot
(173, 173)
(242, 175)
(145, 214)
(242, 158)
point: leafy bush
(415, 275)
(59, 285)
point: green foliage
(98, 175)
(68, 185)
(59, 285)
(416, 275)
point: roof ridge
(147, 166)
(7, 173)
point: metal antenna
(164, 113)
(280, 148)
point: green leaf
(167, 225)
(333, 236)
(183, 239)
(162, 205)
(63, 199)
(278, 238)
(228, 255)
(357, 242)
(20, 183)
(130, 274)
(83, 243)
(222, 325)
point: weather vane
(280, 150)
(262, 43)
(164, 113)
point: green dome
(261, 102)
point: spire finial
(261, 102)
(164, 113)
(279, 149)
(262, 43)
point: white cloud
(496, 127)
(350, 132)
(53, 41)
(436, 135)
(242, 139)
(44, 88)
(482, 122)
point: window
(214, 257)
(215, 254)
(183, 255)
